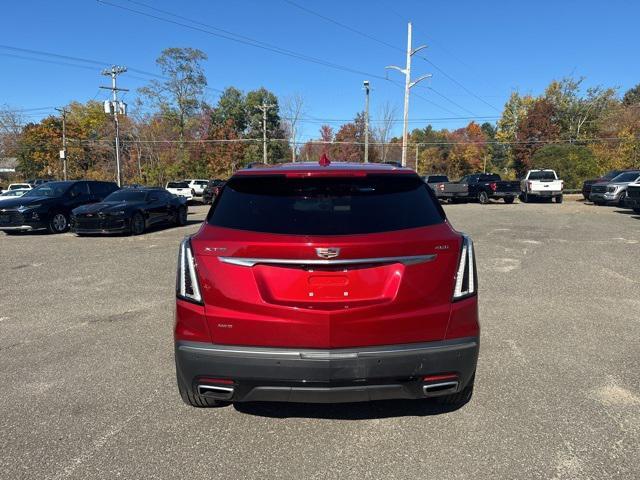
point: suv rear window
(325, 206)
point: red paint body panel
(191, 322)
(269, 305)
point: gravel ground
(88, 386)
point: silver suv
(615, 190)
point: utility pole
(408, 84)
(114, 107)
(366, 121)
(63, 153)
(264, 107)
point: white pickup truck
(181, 189)
(541, 184)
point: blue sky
(489, 47)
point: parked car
(212, 190)
(354, 288)
(614, 191)
(197, 186)
(131, 210)
(434, 180)
(633, 196)
(18, 192)
(181, 189)
(542, 184)
(587, 184)
(478, 186)
(18, 186)
(49, 206)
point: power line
(387, 44)
(209, 29)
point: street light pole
(366, 121)
(408, 84)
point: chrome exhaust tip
(440, 388)
(215, 391)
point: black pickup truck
(478, 186)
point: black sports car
(130, 210)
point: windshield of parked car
(542, 175)
(626, 177)
(177, 185)
(51, 189)
(126, 196)
(325, 206)
(437, 178)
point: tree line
(172, 132)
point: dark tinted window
(437, 178)
(102, 189)
(325, 206)
(541, 175)
(51, 189)
(177, 185)
(490, 177)
(126, 196)
(79, 189)
(611, 174)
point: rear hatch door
(326, 262)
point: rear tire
(181, 216)
(195, 400)
(460, 398)
(137, 224)
(524, 197)
(559, 199)
(58, 223)
(509, 200)
(483, 198)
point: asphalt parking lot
(88, 382)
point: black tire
(622, 198)
(58, 223)
(137, 224)
(524, 197)
(460, 398)
(559, 199)
(483, 197)
(637, 210)
(181, 217)
(195, 400)
(12, 232)
(509, 200)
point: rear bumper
(504, 194)
(545, 193)
(327, 376)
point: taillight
(187, 286)
(529, 185)
(441, 187)
(466, 277)
(193, 192)
(561, 184)
(493, 186)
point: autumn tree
(180, 95)
(534, 130)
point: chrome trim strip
(250, 262)
(427, 389)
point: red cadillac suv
(326, 282)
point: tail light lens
(466, 277)
(441, 187)
(187, 286)
(529, 185)
(561, 184)
(493, 186)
